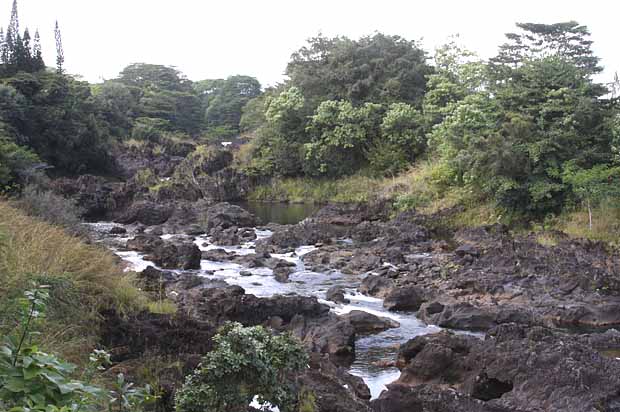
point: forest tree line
(530, 128)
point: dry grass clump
(85, 278)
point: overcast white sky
(213, 39)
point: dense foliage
(246, 363)
(511, 129)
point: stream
(373, 352)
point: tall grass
(85, 279)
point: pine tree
(60, 55)
(37, 55)
(26, 63)
(12, 31)
(3, 47)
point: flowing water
(373, 352)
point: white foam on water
(136, 261)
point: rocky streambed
(481, 321)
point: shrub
(32, 380)
(246, 363)
(52, 208)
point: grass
(85, 279)
(164, 307)
(605, 223)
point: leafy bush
(32, 380)
(246, 363)
(15, 161)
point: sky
(215, 39)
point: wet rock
(147, 213)
(178, 255)
(282, 273)
(364, 322)
(376, 286)
(218, 255)
(145, 243)
(224, 215)
(336, 294)
(408, 298)
(118, 230)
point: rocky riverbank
(531, 305)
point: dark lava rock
(147, 213)
(177, 255)
(404, 298)
(514, 368)
(336, 294)
(376, 286)
(145, 243)
(224, 215)
(364, 322)
(118, 230)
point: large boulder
(407, 297)
(147, 213)
(224, 215)
(177, 255)
(377, 286)
(515, 368)
(364, 322)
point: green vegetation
(83, 279)
(32, 380)
(245, 363)
(528, 133)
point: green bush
(32, 380)
(246, 363)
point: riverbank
(420, 189)
(361, 290)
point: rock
(422, 398)
(332, 394)
(233, 304)
(467, 249)
(515, 368)
(364, 322)
(179, 255)
(282, 273)
(336, 294)
(145, 243)
(118, 230)
(155, 280)
(245, 273)
(147, 213)
(224, 215)
(376, 286)
(217, 255)
(404, 298)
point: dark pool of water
(282, 213)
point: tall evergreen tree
(37, 55)
(4, 51)
(25, 62)
(60, 55)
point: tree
(568, 41)
(403, 127)
(37, 56)
(378, 69)
(246, 363)
(60, 54)
(341, 135)
(223, 100)
(165, 95)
